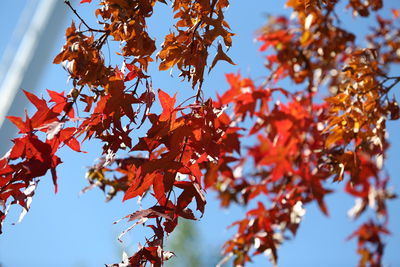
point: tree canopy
(272, 146)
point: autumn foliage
(332, 127)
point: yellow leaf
(356, 127)
(335, 136)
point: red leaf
(159, 191)
(190, 190)
(56, 97)
(67, 136)
(85, 1)
(22, 126)
(167, 104)
(139, 187)
(39, 103)
(61, 103)
(18, 149)
(44, 115)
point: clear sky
(68, 229)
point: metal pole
(29, 61)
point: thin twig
(392, 85)
(68, 3)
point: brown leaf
(220, 56)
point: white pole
(29, 61)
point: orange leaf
(334, 137)
(167, 104)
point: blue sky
(68, 229)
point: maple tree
(302, 143)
